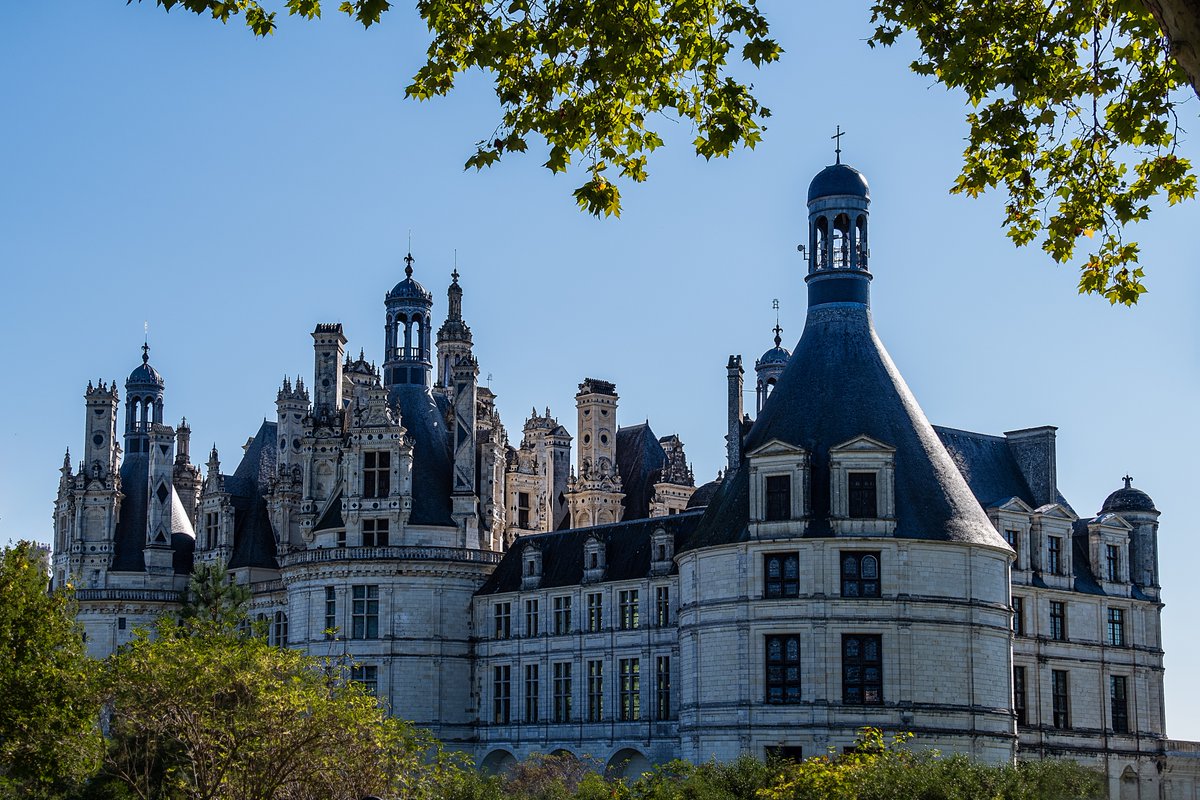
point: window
(1054, 563)
(1014, 541)
(562, 615)
(662, 606)
(862, 670)
(367, 675)
(1058, 620)
(595, 691)
(1112, 562)
(502, 694)
(503, 612)
(375, 532)
(341, 538)
(860, 574)
(628, 607)
(595, 612)
(783, 669)
(531, 617)
(212, 524)
(781, 575)
(532, 692)
(562, 691)
(1118, 692)
(279, 632)
(377, 474)
(1116, 627)
(779, 497)
(1061, 693)
(364, 619)
(662, 687)
(862, 496)
(330, 612)
(522, 509)
(631, 689)
(1019, 695)
(1018, 620)
(120, 623)
(783, 752)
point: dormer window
(778, 480)
(1112, 562)
(593, 560)
(662, 549)
(532, 567)
(779, 497)
(862, 488)
(1054, 555)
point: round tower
(839, 202)
(407, 336)
(769, 367)
(143, 404)
(1136, 507)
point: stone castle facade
(854, 565)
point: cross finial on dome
(1128, 481)
(837, 137)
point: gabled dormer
(862, 493)
(1013, 518)
(594, 562)
(779, 480)
(1051, 544)
(531, 566)
(662, 551)
(1108, 537)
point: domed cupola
(407, 332)
(839, 201)
(769, 367)
(1128, 499)
(143, 398)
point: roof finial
(778, 330)
(454, 276)
(145, 352)
(408, 262)
(837, 137)
(1128, 481)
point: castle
(855, 565)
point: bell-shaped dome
(144, 374)
(839, 180)
(409, 288)
(776, 355)
(1127, 499)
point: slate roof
(130, 536)
(640, 460)
(989, 467)
(425, 420)
(332, 518)
(703, 495)
(839, 384)
(253, 538)
(627, 554)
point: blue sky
(232, 193)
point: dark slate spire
(840, 384)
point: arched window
(860, 242)
(820, 252)
(841, 241)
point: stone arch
(627, 763)
(1129, 784)
(562, 752)
(497, 762)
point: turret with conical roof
(407, 360)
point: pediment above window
(861, 444)
(1012, 504)
(775, 447)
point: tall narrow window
(662, 684)
(595, 691)
(531, 617)
(279, 632)
(1060, 691)
(562, 615)
(860, 574)
(779, 497)
(562, 691)
(662, 606)
(1118, 692)
(1116, 627)
(377, 474)
(1020, 696)
(628, 607)
(532, 692)
(330, 612)
(375, 532)
(522, 509)
(783, 669)
(502, 694)
(1054, 560)
(595, 612)
(1018, 621)
(212, 525)
(631, 689)
(781, 575)
(503, 619)
(863, 502)
(1058, 620)
(364, 613)
(367, 675)
(1014, 541)
(862, 669)
(1112, 562)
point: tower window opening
(841, 242)
(820, 252)
(861, 253)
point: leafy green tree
(201, 713)
(1075, 101)
(48, 738)
(212, 599)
